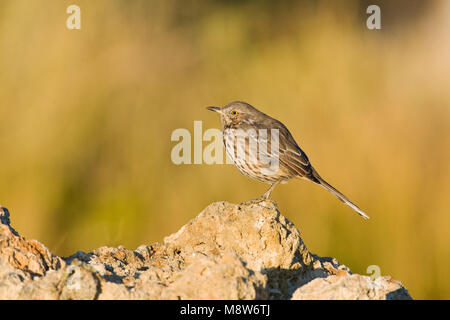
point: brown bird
(263, 149)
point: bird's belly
(245, 158)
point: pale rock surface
(229, 251)
(351, 287)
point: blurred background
(87, 115)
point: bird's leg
(265, 196)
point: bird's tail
(318, 179)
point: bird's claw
(254, 201)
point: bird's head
(235, 113)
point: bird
(263, 149)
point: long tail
(318, 179)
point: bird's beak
(215, 109)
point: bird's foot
(254, 201)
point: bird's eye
(234, 112)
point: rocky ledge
(228, 251)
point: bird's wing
(292, 157)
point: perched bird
(263, 149)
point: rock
(352, 287)
(231, 278)
(264, 239)
(248, 251)
(30, 256)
